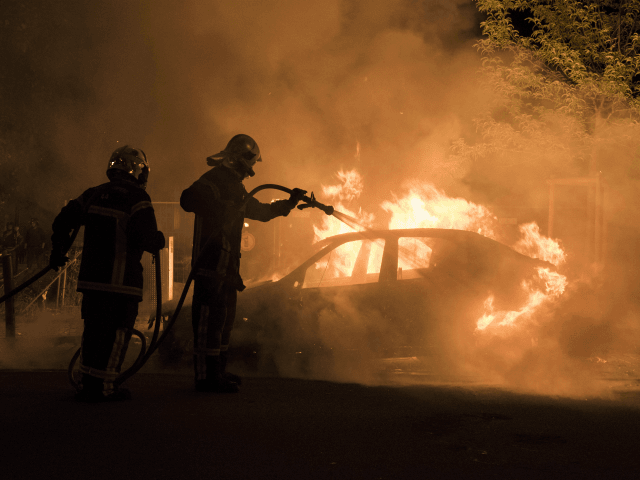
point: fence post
(64, 285)
(58, 293)
(9, 309)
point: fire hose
(143, 356)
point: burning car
(377, 294)
(385, 293)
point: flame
(535, 245)
(344, 193)
(554, 286)
(427, 207)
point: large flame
(424, 206)
(536, 245)
(555, 285)
(427, 207)
(342, 195)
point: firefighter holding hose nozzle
(119, 224)
(219, 200)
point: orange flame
(427, 207)
(555, 285)
(536, 245)
(344, 193)
(424, 206)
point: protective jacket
(216, 198)
(119, 224)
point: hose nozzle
(312, 202)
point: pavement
(409, 425)
(295, 428)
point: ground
(296, 428)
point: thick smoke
(384, 86)
(308, 81)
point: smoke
(43, 341)
(384, 86)
(308, 81)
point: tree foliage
(563, 79)
(584, 56)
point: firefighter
(119, 224)
(217, 199)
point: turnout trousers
(108, 323)
(212, 315)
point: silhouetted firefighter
(119, 224)
(218, 201)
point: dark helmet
(131, 161)
(240, 154)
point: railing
(61, 278)
(9, 304)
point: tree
(564, 79)
(584, 54)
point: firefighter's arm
(143, 228)
(202, 198)
(264, 212)
(69, 219)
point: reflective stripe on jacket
(216, 198)
(119, 225)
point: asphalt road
(288, 428)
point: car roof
(444, 233)
(447, 233)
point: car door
(430, 300)
(342, 301)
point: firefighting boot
(215, 382)
(224, 358)
(118, 395)
(93, 391)
(90, 389)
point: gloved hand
(296, 196)
(159, 241)
(57, 260)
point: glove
(159, 241)
(296, 196)
(57, 260)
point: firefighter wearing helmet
(218, 200)
(119, 225)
